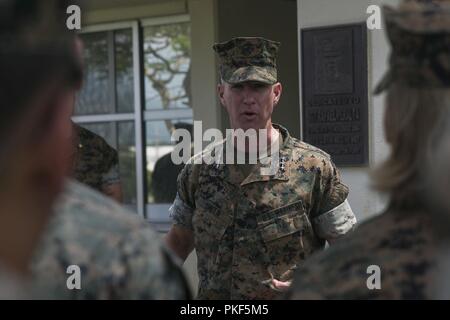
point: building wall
(275, 20)
(120, 10)
(205, 105)
(315, 13)
(204, 72)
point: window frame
(136, 116)
(156, 214)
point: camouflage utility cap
(419, 33)
(248, 59)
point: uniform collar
(223, 171)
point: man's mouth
(249, 115)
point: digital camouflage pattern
(250, 229)
(119, 255)
(401, 243)
(11, 285)
(96, 164)
(419, 36)
(440, 286)
(248, 59)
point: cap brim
(252, 73)
(421, 19)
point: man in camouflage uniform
(96, 163)
(251, 229)
(402, 242)
(119, 255)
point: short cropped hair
(36, 48)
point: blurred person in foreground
(400, 245)
(437, 175)
(38, 73)
(117, 253)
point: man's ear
(277, 89)
(79, 48)
(220, 93)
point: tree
(167, 64)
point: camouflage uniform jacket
(119, 255)
(400, 243)
(11, 285)
(249, 229)
(96, 163)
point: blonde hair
(414, 120)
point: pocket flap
(289, 209)
(282, 227)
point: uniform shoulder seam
(308, 147)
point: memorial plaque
(334, 92)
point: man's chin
(246, 125)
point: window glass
(167, 64)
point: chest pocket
(283, 232)
(210, 224)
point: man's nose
(248, 95)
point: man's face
(249, 104)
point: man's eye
(259, 86)
(237, 86)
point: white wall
(315, 13)
(203, 85)
(204, 71)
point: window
(136, 92)
(108, 81)
(166, 52)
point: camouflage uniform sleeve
(153, 272)
(182, 209)
(333, 215)
(111, 174)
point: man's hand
(181, 241)
(277, 285)
(281, 286)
